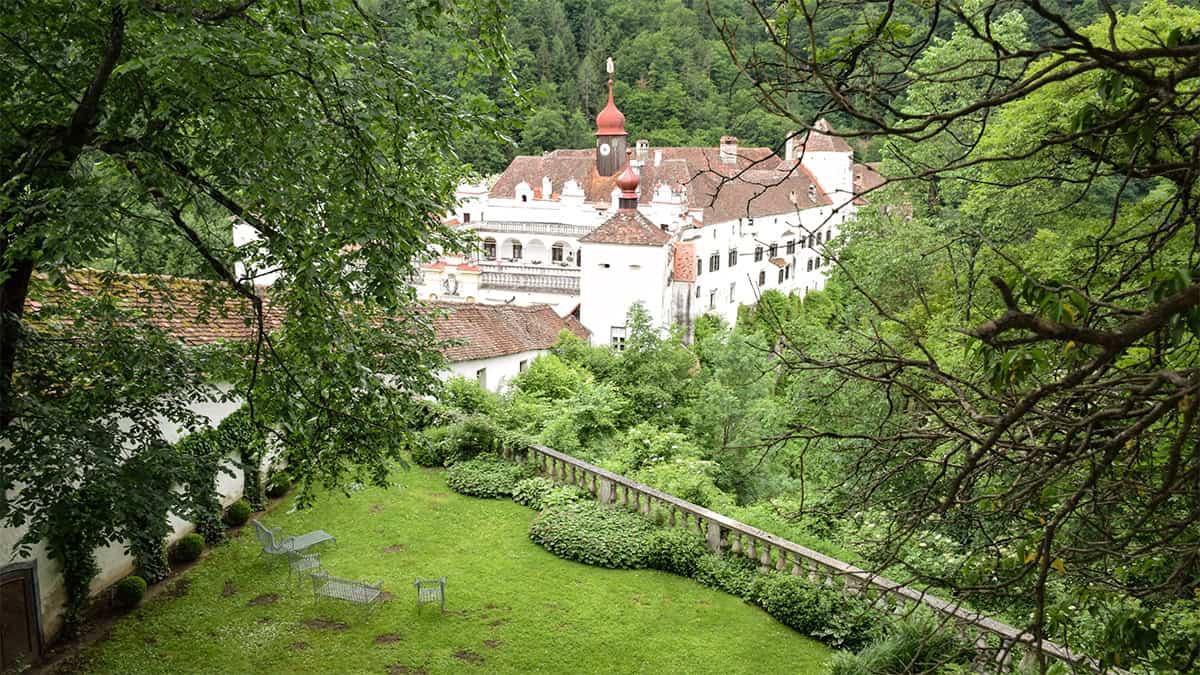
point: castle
(682, 231)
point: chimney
(793, 147)
(729, 150)
(643, 149)
(547, 187)
(657, 157)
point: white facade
(114, 564)
(615, 276)
(495, 373)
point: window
(699, 266)
(773, 252)
(757, 254)
(818, 239)
(556, 253)
(781, 275)
(828, 236)
(762, 279)
(481, 377)
(714, 262)
(732, 291)
(732, 257)
(697, 292)
(466, 217)
(791, 247)
(811, 239)
(712, 299)
(812, 192)
(617, 338)
(489, 248)
(523, 366)
(524, 198)
(787, 272)
(516, 250)
(810, 264)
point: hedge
(486, 476)
(595, 534)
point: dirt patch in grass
(498, 622)
(297, 646)
(376, 508)
(264, 599)
(326, 624)
(468, 656)
(386, 639)
(394, 548)
(180, 588)
(385, 596)
(263, 620)
(492, 644)
(229, 589)
(400, 669)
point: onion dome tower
(628, 182)
(610, 134)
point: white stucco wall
(615, 276)
(112, 560)
(500, 369)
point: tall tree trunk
(13, 292)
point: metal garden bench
(358, 592)
(430, 591)
(273, 545)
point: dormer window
(524, 198)
(812, 192)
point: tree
(1056, 437)
(122, 118)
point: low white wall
(500, 369)
(112, 560)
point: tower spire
(628, 182)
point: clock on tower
(610, 134)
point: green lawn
(511, 606)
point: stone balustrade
(516, 281)
(994, 640)
(527, 227)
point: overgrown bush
(735, 575)
(467, 396)
(429, 450)
(916, 644)
(486, 476)
(531, 491)
(469, 437)
(188, 548)
(825, 613)
(674, 550)
(278, 485)
(129, 591)
(595, 534)
(563, 495)
(238, 513)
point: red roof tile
(758, 183)
(486, 331)
(627, 227)
(821, 139)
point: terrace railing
(995, 641)
(527, 227)
(522, 281)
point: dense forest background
(674, 79)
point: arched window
(811, 239)
(489, 248)
(524, 198)
(818, 239)
(810, 264)
(781, 275)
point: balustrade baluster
(752, 550)
(781, 564)
(735, 547)
(671, 518)
(797, 569)
(764, 560)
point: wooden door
(20, 639)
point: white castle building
(682, 231)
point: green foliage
(469, 437)
(824, 612)
(467, 396)
(675, 550)
(688, 478)
(278, 484)
(188, 548)
(487, 476)
(240, 433)
(531, 491)
(129, 591)
(429, 450)
(595, 534)
(735, 575)
(552, 379)
(563, 495)
(910, 645)
(238, 513)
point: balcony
(544, 283)
(526, 227)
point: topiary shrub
(129, 591)
(238, 513)
(531, 491)
(595, 534)
(674, 550)
(278, 485)
(486, 476)
(188, 548)
(916, 644)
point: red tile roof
(821, 139)
(866, 179)
(486, 331)
(195, 311)
(627, 227)
(177, 306)
(685, 262)
(757, 184)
